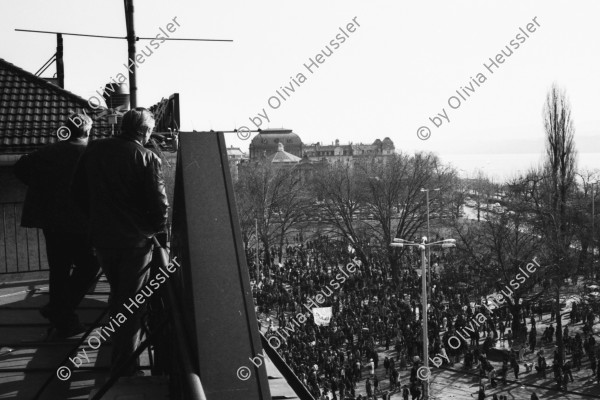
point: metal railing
(165, 339)
(21, 249)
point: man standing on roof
(120, 184)
(48, 173)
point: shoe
(73, 330)
(53, 334)
(46, 312)
(64, 332)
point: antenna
(131, 39)
(119, 37)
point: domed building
(282, 157)
(267, 143)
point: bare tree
(482, 190)
(457, 196)
(343, 199)
(395, 199)
(273, 196)
(497, 247)
(246, 208)
(291, 206)
(550, 191)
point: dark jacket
(48, 173)
(120, 184)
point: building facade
(348, 153)
(266, 144)
(235, 157)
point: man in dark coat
(541, 365)
(119, 182)
(368, 388)
(48, 173)
(532, 339)
(515, 365)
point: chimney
(116, 95)
(60, 67)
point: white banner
(322, 315)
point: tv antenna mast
(131, 49)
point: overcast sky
(395, 71)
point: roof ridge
(282, 155)
(49, 85)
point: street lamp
(593, 230)
(257, 265)
(446, 243)
(428, 235)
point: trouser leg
(59, 261)
(84, 271)
(123, 269)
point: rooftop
(283, 157)
(32, 109)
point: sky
(398, 69)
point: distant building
(282, 157)
(284, 148)
(235, 157)
(266, 143)
(279, 159)
(236, 154)
(348, 153)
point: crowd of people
(375, 313)
(370, 311)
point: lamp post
(428, 235)
(593, 230)
(257, 266)
(423, 246)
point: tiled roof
(32, 109)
